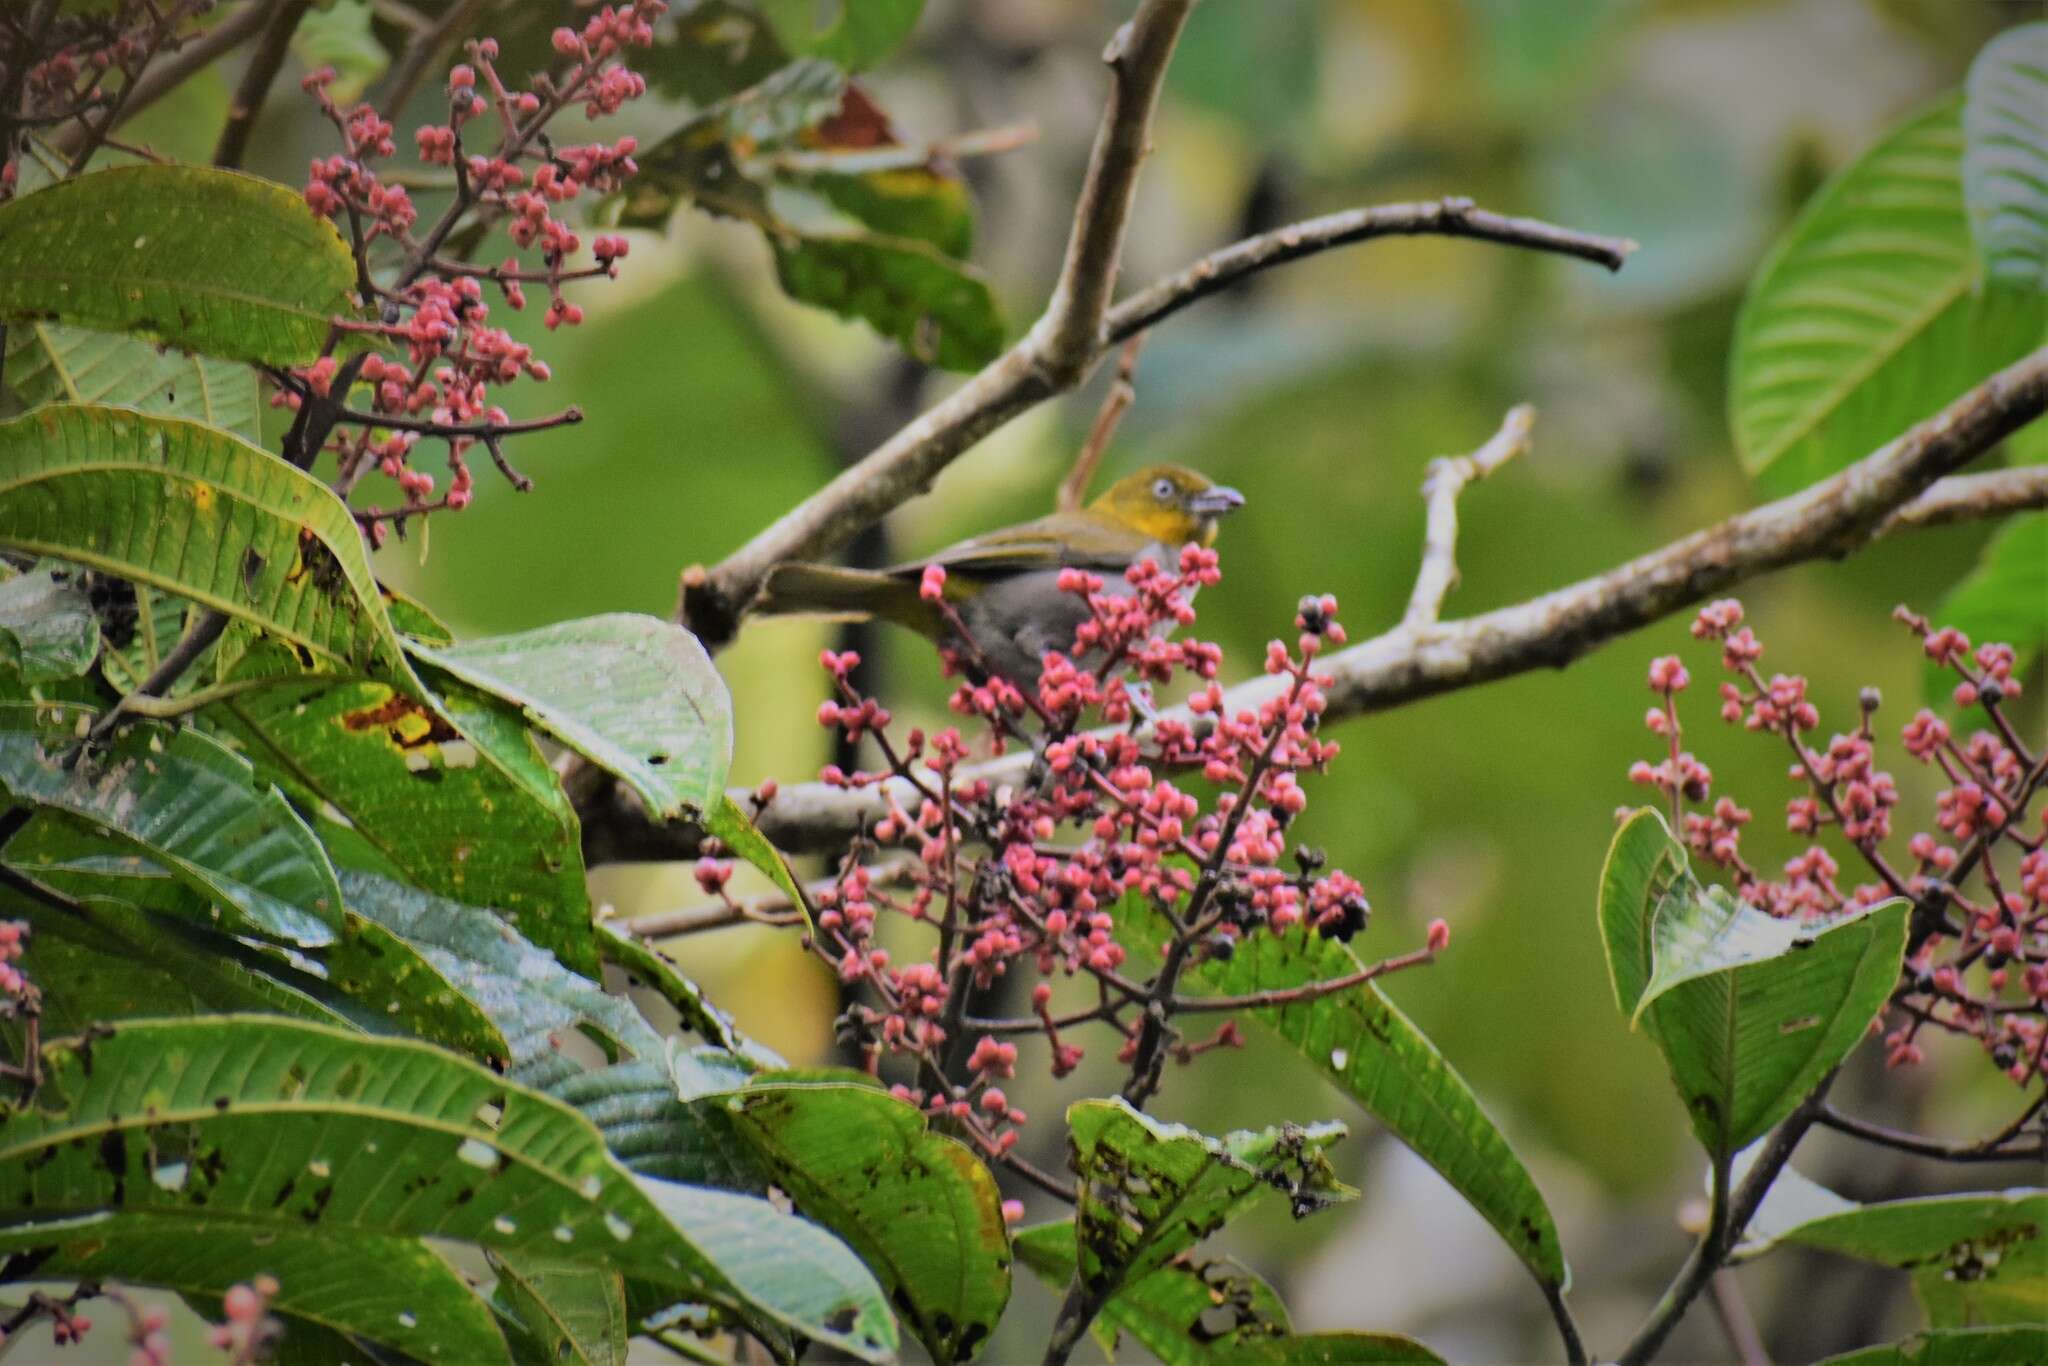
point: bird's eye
(1162, 489)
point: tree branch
(1441, 485)
(1452, 217)
(1123, 392)
(1997, 1148)
(264, 64)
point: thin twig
(1308, 991)
(183, 655)
(1973, 497)
(427, 47)
(1997, 1148)
(1123, 391)
(264, 64)
(1736, 1320)
(1441, 485)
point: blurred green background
(1693, 126)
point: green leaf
(860, 33)
(286, 1125)
(1871, 312)
(2003, 598)
(1976, 1259)
(1750, 1012)
(574, 1312)
(647, 966)
(48, 629)
(339, 35)
(50, 363)
(395, 1292)
(1150, 1191)
(535, 1002)
(2005, 154)
(736, 829)
(1189, 1313)
(161, 621)
(1362, 1042)
(635, 695)
(456, 800)
(919, 1208)
(202, 259)
(1954, 1347)
(366, 977)
(182, 800)
(717, 49)
(912, 203)
(935, 308)
(198, 513)
(640, 1108)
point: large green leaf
(196, 512)
(2005, 154)
(1750, 1013)
(1149, 1191)
(1955, 1347)
(48, 629)
(1205, 1313)
(1872, 312)
(454, 798)
(635, 695)
(535, 1002)
(202, 259)
(366, 976)
(52, 363)
(573, 1312)
(1362, 1042)
(286, 1125)
(182, 800)
(2003, 598)
(859, 33)
(920, 1208)
(1976, 1259)
(396, 1292)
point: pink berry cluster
(75, 65)
(1977, 965)
(13, 936)
(442, 356)
(1183, 814)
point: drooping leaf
(455, 799)
(202, 259)
(736, 829)
(290, 1125)
(1749, 1015)
(181, 800)
(921, 1210)
(1362, 1043)
(1954, 1347)
(1149, 1191)
(1872, 312)
(51, 363)
(633, 694)
(2005, 154)
(1976, 1259)
(366, 976)
(574, 1312)
(858, 34)
(2003, 598)
(935, 308)
(198, 513)
(47, 626)
(396, 1292)
(1205, 1313)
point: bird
(1004, 585)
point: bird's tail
(831, 591)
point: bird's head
(1169, 504)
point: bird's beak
(1215, 502)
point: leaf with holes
(633, 694)
(1361, 1042)
(920, 1209)
(199, 513)
(52, 363)
(394, 1292)
(1872, 312)
(48, 629)
(1749, 1016)
(281, 1125)
(2005, 154)
(181, 800)
(1954, 1347)
(201, 259)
